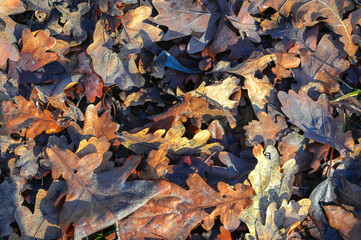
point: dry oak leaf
(8, 35)
(219, 92)
(96, 201)
(10, 198)
(43, 223)
(279, 221)
(271, 184)
(157, 164)
(282, 6)
(74, 23)
(184, 18)
(319, 65)
(265, 130)
(331, 12)
(98, 126)
(284, 62)
(245, 23)
(345, 222)
(260, 91)
(142, 142)
(113, 68)
(136, 31)
(91, 81)
(315, 119)
(26, 160)
(24, 114)
(34, 53)
(178, 211)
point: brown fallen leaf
(178, 211)
(96, 201)
(316, 120)
(43, 223)
(326, 60)
(97, 126)
(271, 184)
(279, 221)
(34, 53)
(345, 222)
(265, 130)
(143, 142)
(330, 12)
(136, 31)
(24, 114)
(8, 35)
(113, 68)
(91, 82)
(282, 6)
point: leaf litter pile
(169, 119)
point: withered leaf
(24, 114)
(281, 6)
(271, 184)
(331, 12)
(44, 222)
(187, 18)
(265, 130)
(96, 201)
(319, 65)
(34, 53)
(26, 160)
(12, 30)
(98, 126)
(143, 142)
(220, 92)
(280, 220)
(245, 23)
(187, 208)
(315, 119)
(119, 69)
(345, 222)
(134, 27)
(74, 22)
(91, 82)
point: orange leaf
(25, 114)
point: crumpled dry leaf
(44, 222)
(74, 22)
(10, 198)
(25, 114)
(34, 53)
(311, 12)
(345, 222)
(96, 201)
(279, 221)
(136, 31)
(143, 142)
(187, 208)
(26, 160)
(219, 92)
(91, 82)
(176, 15)
(318, 65)
(265, 130)
(271, 184)
(9, 35)
(245, 23)
(113, 68)
(97, 126)
(315, 119)
(281, 6)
